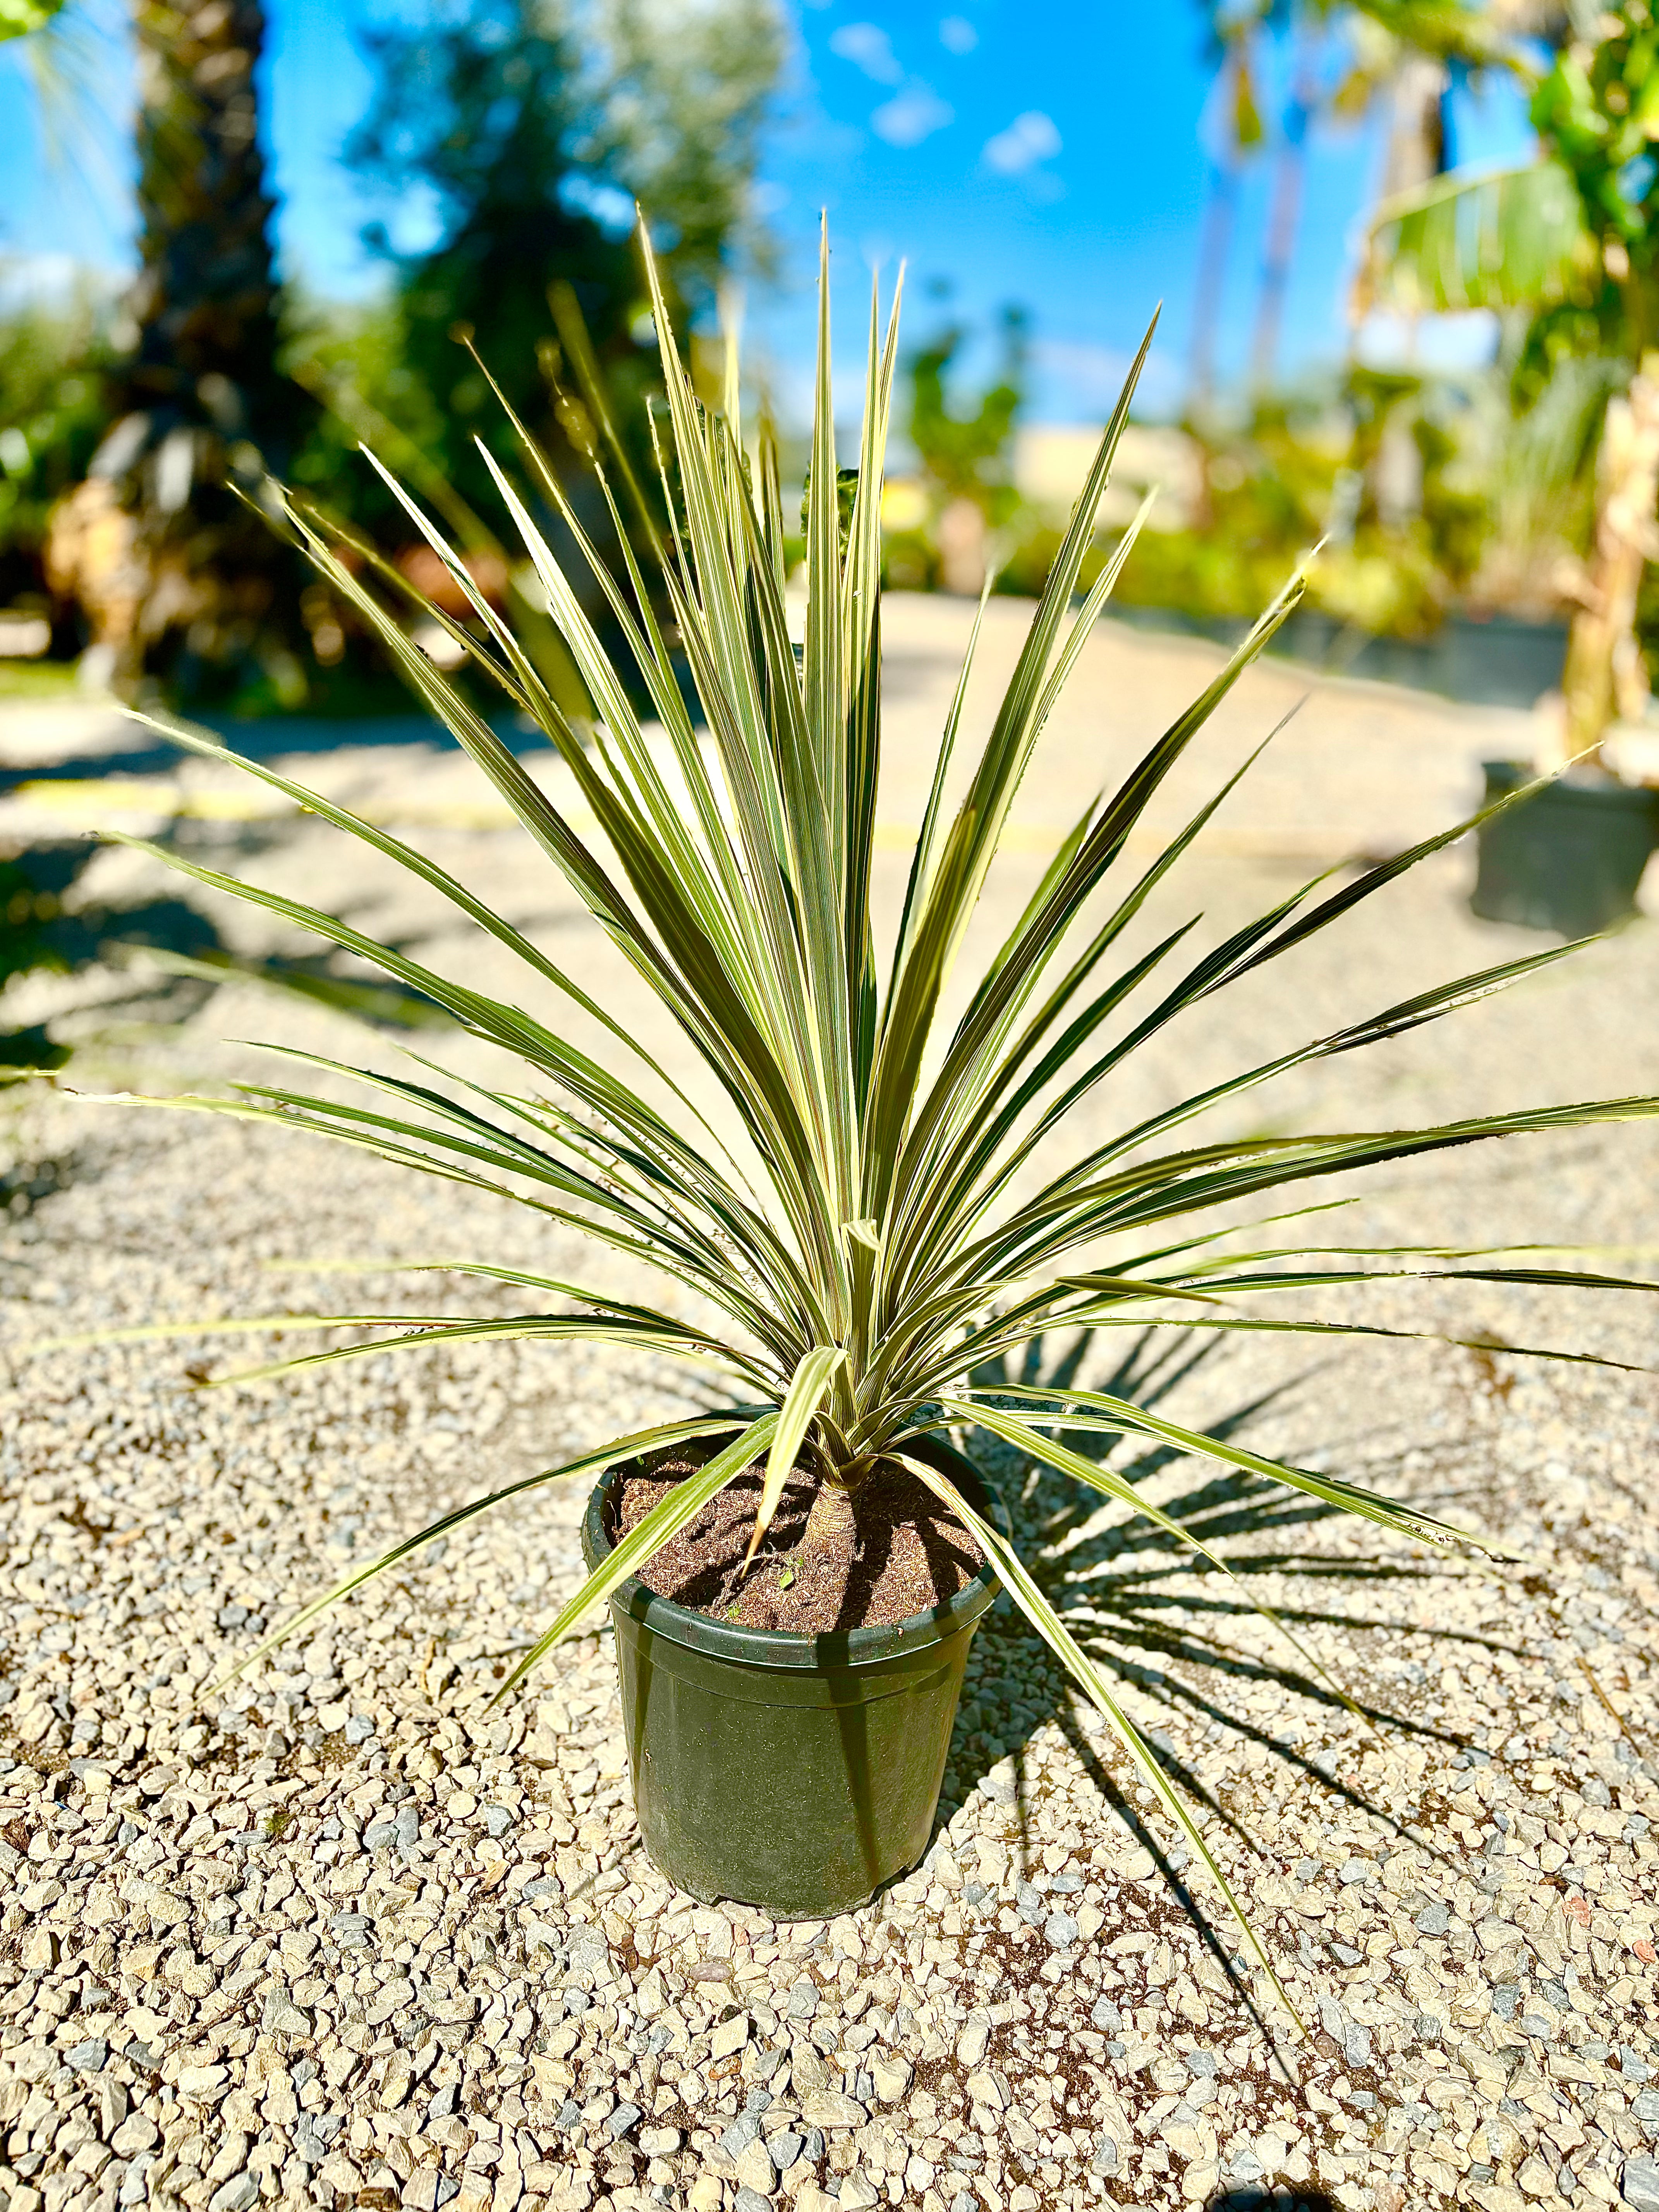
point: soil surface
(906, 1554)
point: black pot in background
(1569, 859)
(795, 1772)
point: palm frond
(1094, 1475)
(591, 1463)
(801, 1401)
(1512, 237)
(682, 1506)
(1084, 1409)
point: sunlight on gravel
(344, 1935)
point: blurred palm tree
(1240, 130)
(183, 582)
(1572, 241)
(1407, 52)
(531, 130)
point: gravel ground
(344, 1935)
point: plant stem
(831, 1517)
(1601, 650)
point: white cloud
(957, 34)
(1078, 381)
(869, 48)
(911, 115)
(1029, 139)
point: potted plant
(885, 1203)
(1572, 241)
(1572, 857)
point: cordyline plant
(870, 1258)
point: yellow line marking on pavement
(96, 800)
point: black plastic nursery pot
(798, 1773)
(1569, 859)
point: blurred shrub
(1383, 477)
(532, 131)
(51, 360)
(937, 525)
(1430, 494)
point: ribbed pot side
(798, 1773)
(1569, 859)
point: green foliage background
(51, 417)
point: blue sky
(1049, 155)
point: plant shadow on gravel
(42, 930)
(168, 955)
(29, 1180)
(276, 738)
(1125, 1591)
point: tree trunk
(962, 537)
(1419, 146)
(206, 598)
(1216, 239)
(1284, 215)
(1604, 674)
(831, 1518)
(1214, 251)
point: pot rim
(1638, 798)
(785, 1648)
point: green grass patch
(38, 679)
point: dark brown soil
(905, 1555)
